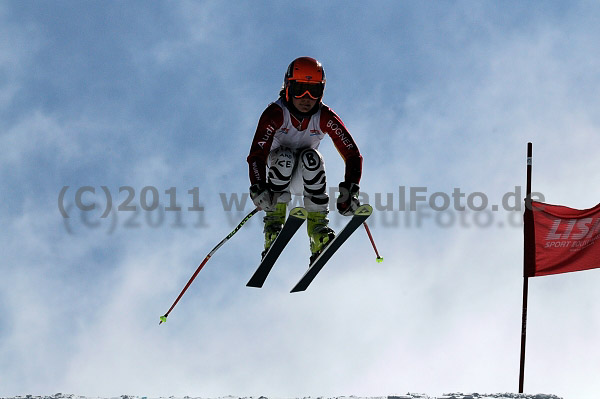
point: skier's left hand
(347, 201)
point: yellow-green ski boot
(319, 232)
(274, 221)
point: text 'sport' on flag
(559, 239)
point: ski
(295, 219)
(360, 215)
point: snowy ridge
(406, 396)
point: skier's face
(304, 104)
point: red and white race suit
(280, 132)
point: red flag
(560, 239)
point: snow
(405, 396)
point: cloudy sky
(161, 99)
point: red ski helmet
(304, 75)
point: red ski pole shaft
(163, 318)
(379, 258)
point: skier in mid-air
(284, 158)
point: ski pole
(379, 258)
(163, 318)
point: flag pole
(525, 274)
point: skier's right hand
(262, 197)
(347, 201)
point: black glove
(347, 201)
(262, 197)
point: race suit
(284, 155)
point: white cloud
(38, 136)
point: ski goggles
(313, 90)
